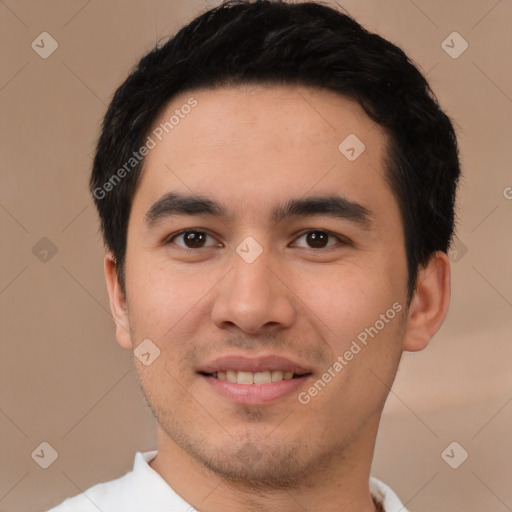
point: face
(258, 250)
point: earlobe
(429, 305)
(118, 305)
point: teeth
(245, 378)
(254, 378)
(262, 378)
(277, 375)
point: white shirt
(144, 490)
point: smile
(243, 377)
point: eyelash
(341, 240)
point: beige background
(63, 378)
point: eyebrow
(339, 207)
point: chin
(247, 464)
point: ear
(429, 304)
(118, 304)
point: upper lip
(255, 364)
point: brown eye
(318, 239)
(191, 239)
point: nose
(253, 298)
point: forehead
(255, 146)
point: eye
(319, 239)
(191, 239)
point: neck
(337, 483)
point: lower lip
(255, 393)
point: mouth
(254, 381)
(258, 378)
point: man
(276, 190)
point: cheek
(347, 299)
(158, 298)
(358, 314)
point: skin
(251, 148)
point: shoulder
(386, 496)
(118, 495)
(97, 497)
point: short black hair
(277, 43)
